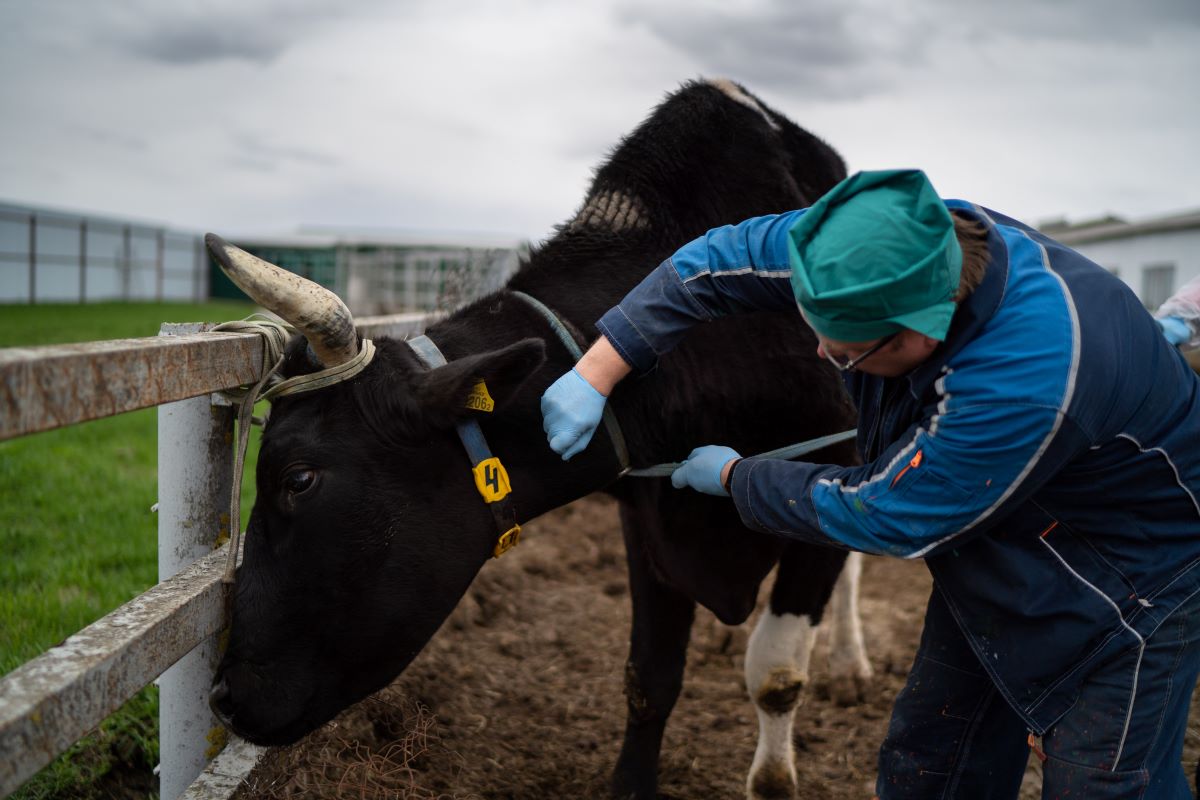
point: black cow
(368, 527)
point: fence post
(83, 260)
(195, 476)
(160, 247)
(32, 259)
(197, 278)
(126, 262)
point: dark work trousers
(952, 735)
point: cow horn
(311, 309)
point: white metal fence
(170, 631)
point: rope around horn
(275, 336)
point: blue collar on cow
(491, 479)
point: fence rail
(55, 699)
(51, 701)
(51, 386)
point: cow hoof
(774, 780)
(629, 787)
(847, 690)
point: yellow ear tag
(491, 479)
(479, 399)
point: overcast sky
(259, 116)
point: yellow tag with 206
(479, 399)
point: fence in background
(379, 279)
(52, 701)
(53, 257)
(377, 276)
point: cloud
(825, 49)
(188, 32)
(1094, 22)
(253, 148)
(211, 31)
(477, 114)
(109, 137)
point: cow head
(367, 527)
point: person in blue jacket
(1025, 429)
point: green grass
(58, 323)
(79, 538)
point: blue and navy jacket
(1044, 461)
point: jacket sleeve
(950, 476)
(730, 269)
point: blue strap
(610, 419)
(468, 431)
(474, 442)
(791, 451)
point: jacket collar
(976, 310)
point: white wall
(1130, 256)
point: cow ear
(452, 392)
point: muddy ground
(520, 694)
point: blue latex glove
(1175, 329)
(571, 410)
(702, 470)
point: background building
(49, 256)
(53, 256)
(1153, 256)
(379, 272)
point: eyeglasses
(844, 364)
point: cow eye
(299, 480)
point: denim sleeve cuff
(790, 524)
(627, 340)
(739, 490)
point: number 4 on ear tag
(491, 479)
(479, 399)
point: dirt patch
(520, 694)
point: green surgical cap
(876, 254)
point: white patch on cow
(736, 94)
(613, 211)
(777, 659)
(847, 650)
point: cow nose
(219, 701)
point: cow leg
(662, 624)
(848, 665)
(777, 659)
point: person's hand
(571, 410)
(1175, 329)
(703, 468)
